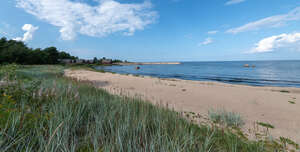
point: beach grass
(266, 125)
(230, 119)
(40, 110)
(284, 91)
(292, 102)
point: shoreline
(208, 81)
(148, 63)
(255, 103)
(271, 88)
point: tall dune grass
(229, 119)
(40, 110)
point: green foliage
(267, 125)
(284, 91)
(292, 102)
(230, 119)
(95, 60)
(12, 51)
(46, 112)
(8, 72)
(117, 61)
(286, 142)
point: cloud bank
(273, 21)
(231, 2)
(108, 17)
(282, 41)
(28, 35)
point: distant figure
(137, 68)
(247, 65)
(253, 66)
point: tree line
(12, 51)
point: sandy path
(264, 104)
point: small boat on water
(248, 66)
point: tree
(117, 61)
(3, 42)
(95, 60)
(12, 51)
(65, 55)
(52, 55)
(37, 56)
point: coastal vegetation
(41, 110)
(292, 102)
(230, 119)
(12, 51)
(266, 125)
(284, 91)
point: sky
(158, 30)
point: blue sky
(158, 30)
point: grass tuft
(230, 119)
(292, 102)
(267, 125)
(284, 91)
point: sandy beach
(263, 104)
(146, 63)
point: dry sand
(263, 104)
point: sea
(257, 73)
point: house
(82, 61)
(89, 61)
(78, 61)
(66, 61)
(106, 61)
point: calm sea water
(265, 73)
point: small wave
(267, 73)
(255, 82)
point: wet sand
(263, 104)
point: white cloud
(282, 41)
(212, 32)
(231, 2)
(273, 21)
(29, 31)
(206, 41)
(109, 16)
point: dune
(278, 106)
